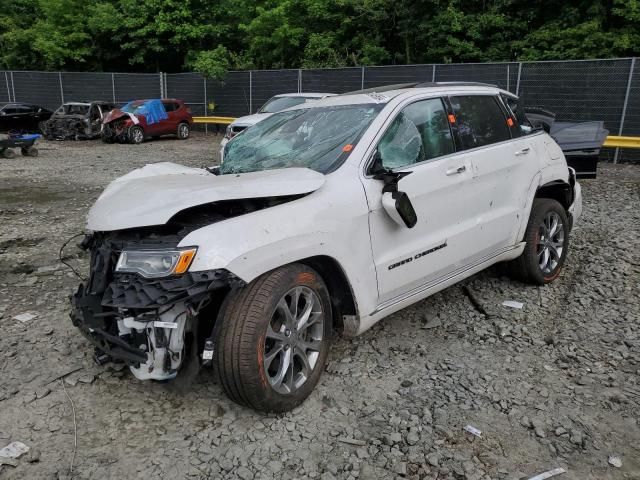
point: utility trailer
(24, 142)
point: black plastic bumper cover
(96, 316)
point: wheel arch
(558, 190)
(343, 301)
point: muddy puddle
(12, 193)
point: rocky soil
(555, 384)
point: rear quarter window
(480, 120)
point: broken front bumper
(129, 297)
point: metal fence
(607, 90)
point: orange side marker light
(184, 261)
(452, 118)
(510, 121)
(347, 148)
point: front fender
(332, 221)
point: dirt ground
(555, 384)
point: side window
(480, 120)
(420, 132)
(517, 110)
(170, 106)
(176, 107)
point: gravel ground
(555, 384)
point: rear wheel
(8, 153)
(547, 241)
(183, 131)
(273, 339)
(136, 135)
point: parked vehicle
(580, 141)
(331, 215)
(275, 104)
(22, 117)
(76, 120)
(24, 141)
(141, 119)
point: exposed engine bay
(154, 325)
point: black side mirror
(397, 204)
(401, 208)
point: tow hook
(100, 357)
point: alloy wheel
(551, 243)
(138, 136)
(293, 340)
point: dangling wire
(65, 263)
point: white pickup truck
(325, 217)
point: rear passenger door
(501, 173)
(170, 124)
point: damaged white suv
(327, 216)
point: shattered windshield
(277, 104)
(315, 138)
(73, 109)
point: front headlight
(156, 263)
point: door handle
(524, 151)
(454, 171)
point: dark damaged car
(76, 120)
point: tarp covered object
(153, 110)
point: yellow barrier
(222, 120)
(622, 142)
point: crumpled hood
(151, 195)
(249, 120)
(114, 115)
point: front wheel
(29, 151)
(136, 135)
(547, 242)
(273, 339)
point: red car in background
(142, 119)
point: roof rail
(399, 86)
(454, 84)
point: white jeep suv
(328, 216)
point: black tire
(8, 153)
(29, 151)
(242, 345)
(527, 267)
(107, 135)
(136, 135)
(183, 131)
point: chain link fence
(607, 90)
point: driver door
(419, 140)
